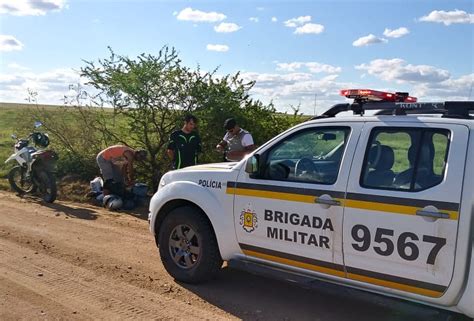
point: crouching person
(116, 166)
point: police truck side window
(405, 158)
(311, 156)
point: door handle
(324, 201)
(432, 214)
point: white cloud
(274, 19)
(254, 19)
(227, 27)
(271, 80)
(309, 28)
(302, 25)
(8, 80)
(294, 22)
(299, 88)
(9, 43)
(289, 66)
(449, 17)
(260, 8)
(399, 71)
(51, 86)
(449, 89)
(289, 87)
(292, 89)
(396, 33)
(16, 66)
(189, 14)
(30, 7)
(219, 48)
(314, 67)
(368, 40)
(310, 87)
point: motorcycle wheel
(18, 182)
(47, 186)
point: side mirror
(13, 136)
(38, 124)
(252, 165)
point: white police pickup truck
(382, 203)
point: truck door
(402, 207)
(291, 213)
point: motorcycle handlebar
(19, 138)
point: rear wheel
(47, 186)
(188, 246)
(19, 181)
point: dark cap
(229, 123)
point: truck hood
(211, 167)
(204, 175)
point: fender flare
(222, 221)
(16, 156)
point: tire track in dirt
(92, 296)
(20, 303)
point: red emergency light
(374, 95)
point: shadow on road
(140, 212)
(251, 297)
(77, 212)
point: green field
(10, 121)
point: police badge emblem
(248, 220)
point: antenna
(316, 99)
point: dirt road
(73, 261)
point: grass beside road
(10, 122)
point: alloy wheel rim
(184, 246)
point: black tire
(47, 186)
(15, 174)
(188, 258)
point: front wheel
(188, 246)
(47, 186)
(19, 181)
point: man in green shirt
(185, 144)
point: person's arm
(170, 153)
(247, 143)
(239, 154)
(171, 147)
(222, 144)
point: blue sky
(293, 49)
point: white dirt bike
(34, 172)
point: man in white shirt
(237, 142)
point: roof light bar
(375, 95)
(398, 103)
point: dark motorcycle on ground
(34, 172)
